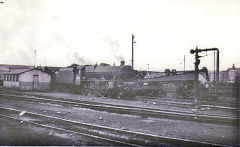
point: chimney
(122, 63)
(233, 67)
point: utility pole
(35, 56)
(217, 68)
(184, 63)
(133, 41)
(214, 68)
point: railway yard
(119, 73)
(50, 118)
(117, 105)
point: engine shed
(27, 79)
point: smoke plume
(115, 48)
(80, 59)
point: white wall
(10, 84)
(28, 76)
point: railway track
(144, 112)
(165, 101)
(187, 103)
(162, 101)
(113, 135)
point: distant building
(229, 75)
(232, 74)
(26, 79)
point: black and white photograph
(119, 72)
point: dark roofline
(15, 65)
(31, 65)
(26, 71)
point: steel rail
(145, 112)
(170, 103)
(186, 103)
(165, 101)
(69, 131)
(124, 137)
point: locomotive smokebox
(122, 63)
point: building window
(5, 77)
(11, 77)
(16, 78)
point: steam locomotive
(124, 82)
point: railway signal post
(197, 62)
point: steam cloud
(115, 48)
(80, 59)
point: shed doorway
(35, 81)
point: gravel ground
(172, 128)
(24, 134)
(143, 104)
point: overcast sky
(89, 31)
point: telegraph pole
(217, 67)
(214, 68)
(35, 56)
(133, 41)
(184, 63)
